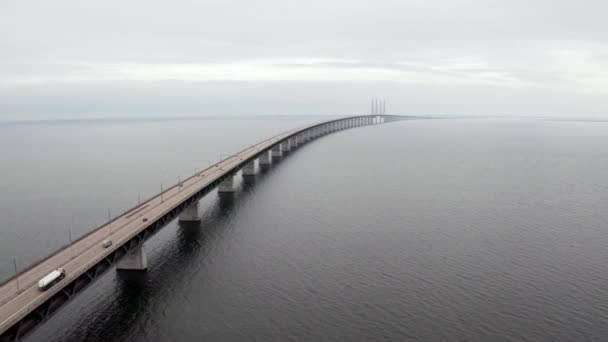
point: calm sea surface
(421, 230)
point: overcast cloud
(74, 58)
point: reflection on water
(138, 292)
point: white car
(106, 243)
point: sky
(83, 59)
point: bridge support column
(293, 142)
(135, 260)
(190, 214)
(227, 186)
(276, 151)
(265, 159)
(249, 169)
(285, 146)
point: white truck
(51, 279)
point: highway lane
(84, 253)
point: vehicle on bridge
(51, 279)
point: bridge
(23, 307)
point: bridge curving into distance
(24, 307)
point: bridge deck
(80, 255)
(87, 252)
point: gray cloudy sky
(74, 58)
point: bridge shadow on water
(119, 316)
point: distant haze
(79, 59)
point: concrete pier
(285, 146)
(227, 186)
(249, 169)
(276, 152)
(136, 260)
(265, 159)
(190, 214)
